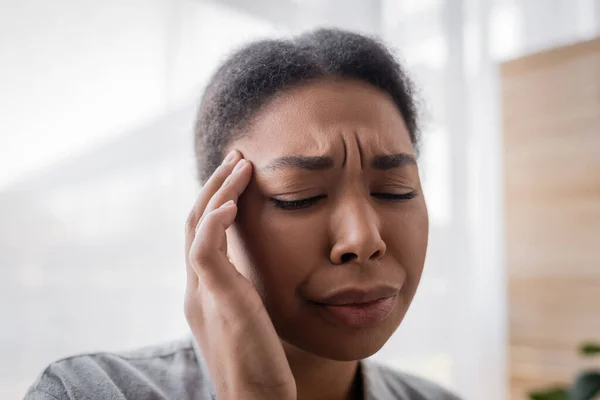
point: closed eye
(296, 204)
(310, 201)
(395, 196)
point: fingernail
(227, 204)
(230, 157)
(239, 165)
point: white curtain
(96, 168)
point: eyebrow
(391, 161)
(311, 163)
(320, 163)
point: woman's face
(332, 229)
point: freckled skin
(293, 256)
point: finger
(232, 187)
(208, 252)
(209, 188)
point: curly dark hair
(251, 76)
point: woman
(307, 242)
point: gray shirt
(177, 370)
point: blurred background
(97, 103)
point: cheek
(406, 235)
(278, 252)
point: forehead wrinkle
(360, 151)
(345, 152)
(375, 140)
(311, 119)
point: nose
(356, 233)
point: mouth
(360, 315)
(358, 308)
(351, 296)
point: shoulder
(168, 370)
(384, 382)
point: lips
(358, 308)
(357, 296)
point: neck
(319, 378)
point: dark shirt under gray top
(176, 370)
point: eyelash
(296, 204)
(308, 202)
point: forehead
(314, 118)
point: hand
(227, 317)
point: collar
(374, 387)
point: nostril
(347, 257)
(376, 255)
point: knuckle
(202, 255)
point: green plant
(585, 387)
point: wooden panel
(551, 116)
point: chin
(342, 347)
(337, 342)
(349, 349)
